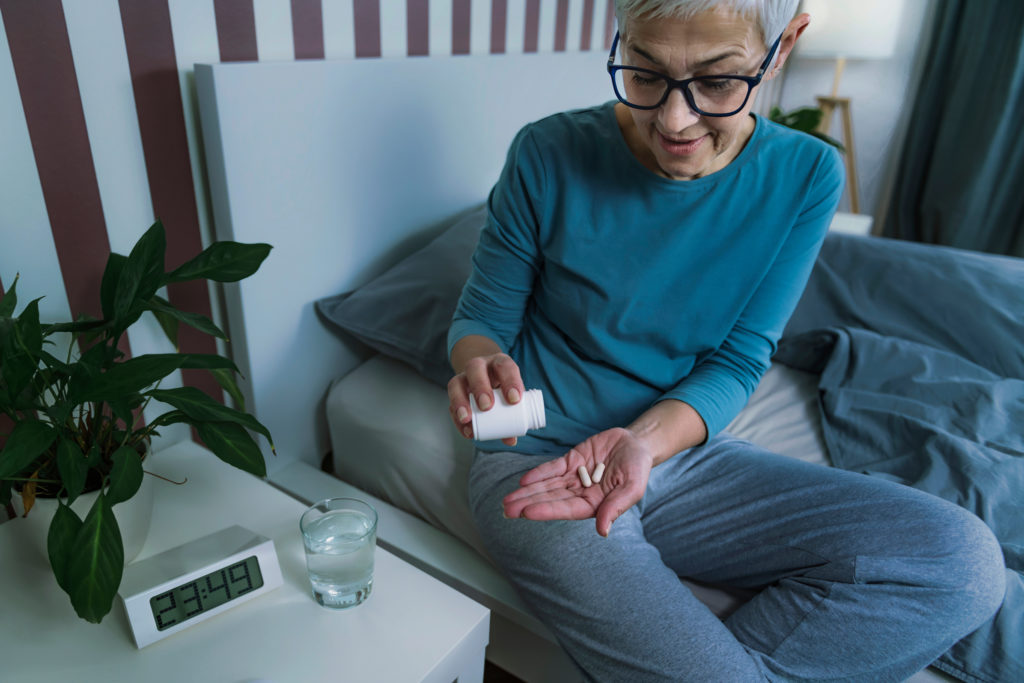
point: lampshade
(852, 29)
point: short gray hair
(771, 16)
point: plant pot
(133, 517)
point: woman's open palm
(553, 490)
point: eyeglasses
(706, 95)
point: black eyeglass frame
(684, 84)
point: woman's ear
(796, 26)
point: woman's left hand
(554, 490)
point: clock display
(199, 595)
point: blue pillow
(406, 311)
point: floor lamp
(844, 30)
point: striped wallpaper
(99, 130)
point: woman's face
(673, 140)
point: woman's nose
(675, 112)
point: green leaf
(805, 119)
(64, 527)
(141, 275)
(29, 331)
(97, 357)
(200, 407)
(200, 322)
(26, 442)
(7, 345)
(131, 376)
(122, 406)
(226, 380)
(55, 364)
(18, 369)
(94, 456)
(95, 563)
(72, 467)
(170, 418)
(125, 476)
(21, 345)
(169, 324)
(232, 444)
(9, 301)
(222, 262)
(136, 374)
(108, 285)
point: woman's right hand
(481, 375)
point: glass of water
(340, 535)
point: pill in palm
(584, 476)
(598, 473)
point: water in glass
(339, 557)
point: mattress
(392, 437)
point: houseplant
(806, 120)
(77, 421)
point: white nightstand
(851, 223)
(412, 628)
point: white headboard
(342, 166)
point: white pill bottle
(506, 420)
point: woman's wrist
(668, 427)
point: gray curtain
(960, 180)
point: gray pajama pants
(858, 579)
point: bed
(368, 176)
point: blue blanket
(921, 355)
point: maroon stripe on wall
(45, 71)
(499, 20)
(366, 18)
(236, 29)
(561, 24)
(609, 25)
(308, 29)
(460, 27)
(417, 20)
(532, 29)
(588, 25)
(154, 74)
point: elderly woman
(638, 265)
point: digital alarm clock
(180, 587)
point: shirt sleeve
(507, 258)
(720, 386)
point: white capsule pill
(598, 473)
(584, 476)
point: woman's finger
(514, 507)
(537, 488)
(558, 467)
(458, 405)
(478, 381)
(565, 506)
(505, 374)
(616, 502)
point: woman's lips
(680, 147)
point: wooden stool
(828, 106)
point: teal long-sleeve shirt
(614, 288)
